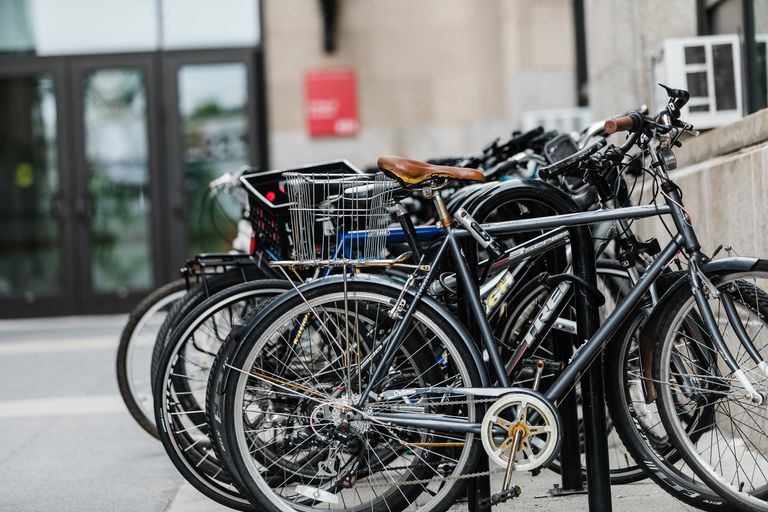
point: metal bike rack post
(571, 480)
(593, 396)
(593, 400)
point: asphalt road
(68, 444)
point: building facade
(116, 114)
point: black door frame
(64, 302)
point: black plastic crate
(268, 204)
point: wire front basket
(339, 218)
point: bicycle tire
(179, 415)
(152, 303)
(357, 289)
(197, 294)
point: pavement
(68, 444)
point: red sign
(331, 102)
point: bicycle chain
(426, 481)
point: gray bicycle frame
(586, 352)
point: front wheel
(291, 417)
(702, 404)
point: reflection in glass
(116, 152)
(16, 26)
(697, 84)
(725, 82)
(695, 55)
(29, 187)
(213, 101)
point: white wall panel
(210, 24)
(94, 26)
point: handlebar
(226, 182)
(558, 168)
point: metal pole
(571, 479)
(570, 453)
(593, 398)
(580, 32)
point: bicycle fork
(701, 286)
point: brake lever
(686, 127)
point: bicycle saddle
(413, 172)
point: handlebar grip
(619, 124)
(557, 168)
(629, 122)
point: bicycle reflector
(252, 247)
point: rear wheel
(197, 294)
(181, 385)
(291, 420)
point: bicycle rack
(593, 398)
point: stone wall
(622, 36)
(435, 77)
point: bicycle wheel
(290, 421)
(134, 353)
(613, 282)
(197, 294)
(181, 384)
(718, 432)
(636, 419)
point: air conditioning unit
(564, 120)
(708, 67)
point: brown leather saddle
(413, 172)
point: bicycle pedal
(500, 497)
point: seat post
(442, 212)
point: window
(709, 68)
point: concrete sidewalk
(69, 445)
(642, 496)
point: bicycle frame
(586, 352)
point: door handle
(57, 208)
(84, 209)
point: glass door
(35, 235)
(211, 102)
(117, 189)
